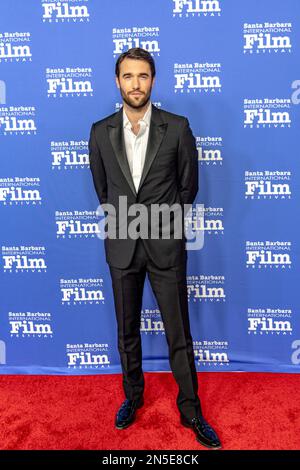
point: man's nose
(135, 83)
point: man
(149, 156)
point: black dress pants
(170, 290)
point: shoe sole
(187, 425)
(209, 447)
(126, 425)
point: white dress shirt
(136, 144)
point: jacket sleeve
(187, 165)
(97, 168)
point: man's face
(135, 82)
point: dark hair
(136, 53)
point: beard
(131, 101)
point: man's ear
(117, 82)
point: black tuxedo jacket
(170, 175)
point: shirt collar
(146, 118)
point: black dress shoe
(204, 432)
(126, 413)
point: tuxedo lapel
(156, 133)
(117, 141)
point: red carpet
(248, 411)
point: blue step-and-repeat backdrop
(233, 68)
